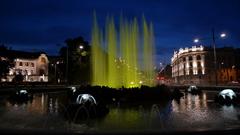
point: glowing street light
(223, 35)
(196, 40)
(56, 70)
(81, 47)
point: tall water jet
(111, 40)
(148, 53)
(129, 53)
(98, 57)
(119, 64)
(123, 40)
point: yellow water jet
(115, 60)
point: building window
(41, 72)
(199, 64)
(199, 71)
(26, 64)
(191, 72)
(184, 59)
(20, 64)
(198, 57)
(25, 72)
(190, 58)
(190, 64)
(22, 72)
(32, 64)
(43, 60)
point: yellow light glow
(115, 66)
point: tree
(18, 78)
(5, 63)
(76, 54)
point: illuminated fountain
(116, 54)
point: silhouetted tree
(5, 63)
(78, 53)
(18, 78)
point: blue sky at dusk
(40, 25)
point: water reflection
(190, 102)
(41, 104)
(190, 112)
(53, 105)
(230, 112)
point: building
(33, 66)
(195, 65)
(188, 65)
(228, 65)
(164, 75)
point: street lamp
(56, 70)
(222, 35)
(196, 40)
(81, 47)
(67, 67)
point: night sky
(40, 25)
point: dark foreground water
(192, 112)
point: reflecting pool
(192, 112)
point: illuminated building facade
(228, 65)
(195, 65)
(188, 65)
(33, 66)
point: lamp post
(81, 47)
(67, 68)
(56, 71)
(222, 35)
(215, 56)
(177, 69)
